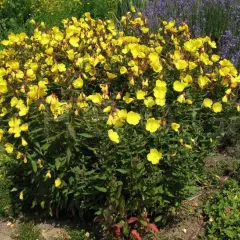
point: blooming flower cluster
(133, 77)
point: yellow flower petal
(133, 118)
(140, 94)
(113, 136)
(179, 86)
(21, 195)
(207, 102)
(154, 156)
(152, 125)
(58, 182)
(175, 126)
(78, 83)
(217, 107)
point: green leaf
(69, 154)
(158, 219)
(100, 189)
(86, 135)
(71, 131)
(42, 204)
(234, 118)
(34, 166)
(57, 163)
(122, 171)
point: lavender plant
(218, 19)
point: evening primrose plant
(111, 122)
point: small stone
(184, 230)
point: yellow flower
(181, 64)
(203, 81)
(32, 21)
(52, 99)
(74, 41)
(41, 107)
(19, 155)
(24, 127)
(181, 98)
(78, 83)
(14, 125)
(118, 96)
(111, 75)
(118, 118)
(187, 146)
(14, 102)
(175, 126)
(61, 67)
(149, 102)
(1, 134)
(145, 30)
(24, 142)
(113, 136)
(192, 65)
(154, 156)
(228, 91)
(9, 147)
(155, 62)
(133, 9)
(224, 71)
(123, 70)
(160, 91)
(25, 159)
(58, 182)
(48, 174)
(160, 101)
(127, 99)
(207, 102)
(140, 94)
(49, 51)
(39, 162)
(238, 107)
(152, 125)
(215, 57)
(160, 83)
(179, 86)
(133, 118)
(96, 98)
(107, 109)
(217, 107)
(21, 195)
(225, 99)
(23, 110)
(188, 101)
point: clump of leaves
(223, 213)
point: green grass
(27, 231)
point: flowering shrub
(111, 122)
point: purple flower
(219, 19)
